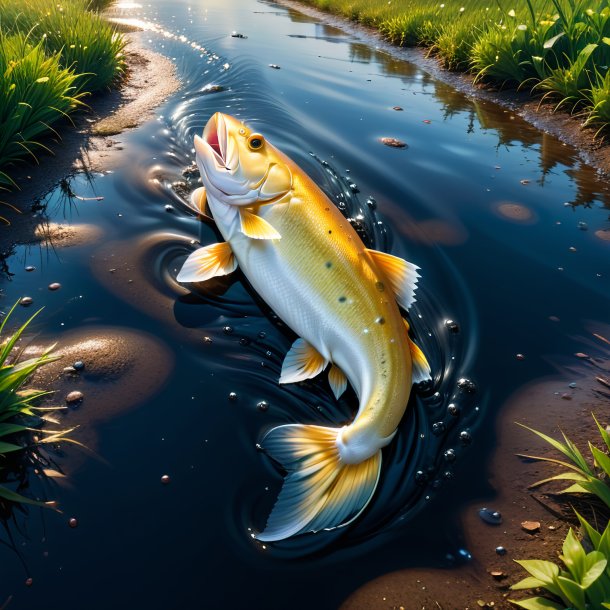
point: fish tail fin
(320, 491)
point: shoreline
(565, 127)
(92, 143)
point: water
(477, 200)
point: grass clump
(559, 49)
(21, 420)
(52, 54)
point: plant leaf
(537, 603)
(548, 44)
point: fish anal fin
(302, 362)
(208, 262)
(256, 227)
(421, 370)
(337, 380)
(401, 274)
(320, 491)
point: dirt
(548, 405)
(568, 128)
(92, 144)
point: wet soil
(91, 144)
(566, 127)
(551, 406)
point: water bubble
(354, 187)
(520, 357)
(30, 268)
(269, 354)
(168, 207)
(452, 326)
(467, 385)
(262, 334)
(448, 474)
(227, 330)
(28, 583)
(421, 477)
(263, 405)
(244, 341)
(165, 479)
(207, 339)
(453, 409)
(465, 437)
(583, 226)
(449, 455)
(438, 427)
(232, 396)
(73, 522)
(371, 203)
(488, 515)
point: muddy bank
(567, 128)
(549, 405)
(93, 144)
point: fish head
(239, 166)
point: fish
(341, 299)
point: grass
(52, 54)
(21, 420)
(558, 49)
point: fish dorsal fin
(401, 274)
(337, 380)
(420, 368)
(302, 362)
(208, 262)
(252, 225)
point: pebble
(69, 369)
(452, 326)
(490, 516)
(531, 527)
(449, 455)
(227, 330)
(465, 437)
(26, 301)
(74, 397)
(583, 226)
(263, 405)
(393, 142)
(566, 396)
(54, 286)
(28, 582)
(438, 428)
(466, 385)
(165, 479)
(525, 181)
(581, 355)
(453, 409)
(232, 396)
(500, 550)
(397, 108)
(79, 365)
(572, 385)
(207, 339)
(520, 357)
(73, 522)
(497, 574)
(274, 66)
(30, 268)
(371, 202)
(572, 249)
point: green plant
(584, 585)
(586, 478)
(21, 419)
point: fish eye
(256, 141)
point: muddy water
(506, 223)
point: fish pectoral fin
(208, 262)
(337, 380)
(302, 362)
(198, 201)
(401, 274)
(256, 227)
(421, 370)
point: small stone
(581, 355)
(165, 479)
(572, 249)
(372, 203)
(74, 397)
(438, 428)
(466, 385)
(28, 583)
(393, 142)
(69, 369)
(566, 396)
(490, 516)
(207, 339)
(572, 385)
(465, 437)
(73, 522)
(531, 527)
(583, 226)
(453, 409)
(26, 301)
(525, 181)
(274, 66)
(54, 286)
(497, 574)
(397, 108)
(169, 208)
(227, 330)
(262, 405)
(449, 455)
(233, 396)
(500, 550)
(30, 268)
(520, 357)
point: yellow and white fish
(307, 262)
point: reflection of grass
(51, 54)
(21, 432)
(559, 47)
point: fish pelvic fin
(401, 274)
(208, 262)
(256, 227)
(337, 380)
(198, 202)
(320, 492)
(421, 370)
(302, 361)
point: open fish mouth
(215, 136)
